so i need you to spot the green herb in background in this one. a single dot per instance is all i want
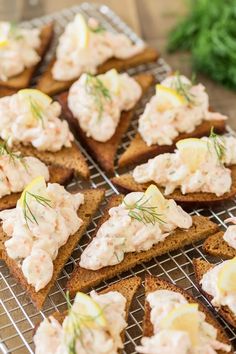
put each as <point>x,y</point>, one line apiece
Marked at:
<point>209,32</point>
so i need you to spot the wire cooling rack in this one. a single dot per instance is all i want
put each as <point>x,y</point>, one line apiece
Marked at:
<point>17,314</point>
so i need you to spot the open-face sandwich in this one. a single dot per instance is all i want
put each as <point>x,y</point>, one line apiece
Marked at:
<point>135,229</point>
<point>199,171</point>
<point>30,122</point>
<point>85,46</point>
<point>21,52</point>
<point>178,110</point>
<point>175,322</point>
<point>100,109</point>
<point>42,231</point>
<point>16,171</point>
<point>218,283</point>
<point>95,323</point>
<point>222,244</point>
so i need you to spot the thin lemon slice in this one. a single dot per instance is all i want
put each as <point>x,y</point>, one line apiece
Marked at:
<point>37,96</point>
<point>168,98</point>
<point>193,152</point>
<point>4,31</point>
<point>88,312</point>
<point>184,318</point>
<point>111,80</point>
<point>226,281</point>
<point>3,42</point>
<point>82,36</point>
<point>37,186</point>
<point>155,197</point>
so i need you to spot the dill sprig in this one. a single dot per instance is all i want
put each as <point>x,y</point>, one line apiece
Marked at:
<point>28,214</point>
<point>98,29</point>
<point>99,91</point>
<point>13,156</point>
<point>184,89</point>
<point>143,212</point>
<point>36,110</point>
<point>218,144</point>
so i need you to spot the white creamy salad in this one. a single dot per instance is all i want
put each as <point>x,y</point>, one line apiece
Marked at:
<point>230,233</point>
<point>97,102</point>
<point>42,222</point>
<point>177,107</point>
<point>85,45</point>
<point>179,327</point>
<point>198,165</point>
<point>139,222</point>
<point>93,325</point>
<point>32,118</point>
<point>18,49</point>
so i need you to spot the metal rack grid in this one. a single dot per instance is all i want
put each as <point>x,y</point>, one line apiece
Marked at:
<point>17,314</point>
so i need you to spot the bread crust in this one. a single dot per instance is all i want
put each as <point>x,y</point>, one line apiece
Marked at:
<point>50,86</point>
<point>104,153</point>
<point>155,283</point>
<point>126,183</point>
<point>82,279</point>
<point>216,246</point>
<point>93,198</point>
<point>23,79</point>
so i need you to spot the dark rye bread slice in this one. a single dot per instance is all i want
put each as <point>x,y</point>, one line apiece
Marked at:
<point>82,279</point>
<point>155,283</point>
<point>139,152</point>
<point>200,268</point>
<point>58,174</point>
<point>50,86</point>
<point>4,91</point>
<point>68,157</point>
<point>216,246</point>
<point>93,198</point>
<point>126,183</point>
<point>104,153</point>
<point>23,79</point>
<point>127,287</point>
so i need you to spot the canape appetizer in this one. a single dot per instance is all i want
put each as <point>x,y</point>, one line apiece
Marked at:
<point>218,282</point>
<point>86,46</point>
<point>135,229</point>
<point>94,323</point>
<point>178,110</point>
<point>175,322</point>
<point>200,170</point>
<point>42,231</point>
<point>21,50</point>
<point>30,122</point>
<point>100,109</point>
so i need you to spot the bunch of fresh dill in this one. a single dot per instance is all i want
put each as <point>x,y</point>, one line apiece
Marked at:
<point>209,32</point>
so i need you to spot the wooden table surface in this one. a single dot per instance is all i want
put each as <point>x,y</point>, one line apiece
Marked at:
<point>152,20</point>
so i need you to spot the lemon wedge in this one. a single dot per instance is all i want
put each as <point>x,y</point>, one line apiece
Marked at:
<point>4,30</point>
<point>155,197</point>
<point>82,36</point>
<point>111,80</point>
<point>37,186</point>
<point>39,97</point>
<point>88,312</point>
<point>3,42</point>
<point>226,281</point>
<point>168,98</point>
<point>193,152</point>
<point>183,318</point>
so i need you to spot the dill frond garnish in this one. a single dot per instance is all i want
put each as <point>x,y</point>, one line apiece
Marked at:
<point>14,31</point>
<point>98,29</point>
<point>13,156</point>
<point>99,91</point>
<point>218,144</point>
<point>142,212</point>
<point>36,110</point>
<point>184,89</point>
<point>28,214</point>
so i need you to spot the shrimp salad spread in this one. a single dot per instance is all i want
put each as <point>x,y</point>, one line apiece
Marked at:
<point>230,233</point>
<point>85,45</point>
<point>219,282</point>
<point>139,222</point>
<point>31,117</point>
<point>93,325</point>
<point>43,220</point>
<point>18,49</point>
<point>179,327</point>
<point>198,165</point>
<point>177,107</point>
<point>97,102</point>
